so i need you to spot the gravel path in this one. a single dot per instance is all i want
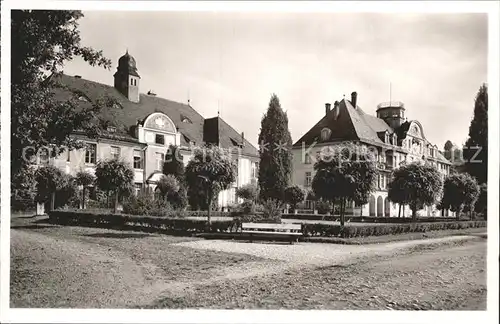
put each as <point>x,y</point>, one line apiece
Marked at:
<point>312,254</point>
<point>425,277</point>
<point>55,266</point>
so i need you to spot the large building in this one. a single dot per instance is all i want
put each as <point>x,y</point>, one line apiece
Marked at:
<point>395,139</point>
<point>138,128</point>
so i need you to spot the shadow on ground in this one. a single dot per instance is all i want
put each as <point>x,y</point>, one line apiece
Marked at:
<point>33,226</point>
<point>119,235</point>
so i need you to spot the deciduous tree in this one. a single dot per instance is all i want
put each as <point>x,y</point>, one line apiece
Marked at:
<point>48,180</point>
<point>114,176</point>
<point>43,41</point>
<point>460,190</point>
<point>209,171</point>
<point>84,179</point>
<point>345,174</point>
<point>417,185</point>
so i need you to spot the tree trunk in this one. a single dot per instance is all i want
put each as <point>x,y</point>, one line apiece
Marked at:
<point>115,205</point>
<point>209,218</point>
<point>52,201</point>
<point>83,198</point>
<point>414,213</point>
<point>459,211</point>
<point>342,212</point>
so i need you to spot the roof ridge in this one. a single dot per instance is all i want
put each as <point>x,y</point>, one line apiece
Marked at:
<point>140,93</point>
<point>232,128</point>
<point>351,111</point>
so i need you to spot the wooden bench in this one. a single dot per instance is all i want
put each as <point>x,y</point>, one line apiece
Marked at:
<point>289,231</point>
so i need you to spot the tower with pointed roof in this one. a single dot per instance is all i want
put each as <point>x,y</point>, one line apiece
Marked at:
<point>127,78</point>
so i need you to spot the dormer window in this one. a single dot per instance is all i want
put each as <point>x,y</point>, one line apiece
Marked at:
<point>394,139</point>
<point>186,120</point>
<point>83,98</point>
<point>325,134</point>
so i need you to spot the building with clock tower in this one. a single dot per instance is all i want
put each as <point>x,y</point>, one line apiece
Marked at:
<point>395,139</point>
<point>138,128</point>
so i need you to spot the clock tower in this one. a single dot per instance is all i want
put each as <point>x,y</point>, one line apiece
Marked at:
<point>126,78</point>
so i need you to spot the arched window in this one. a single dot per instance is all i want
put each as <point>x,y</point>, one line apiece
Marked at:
<point>371,205</point>
<point>380,206</point>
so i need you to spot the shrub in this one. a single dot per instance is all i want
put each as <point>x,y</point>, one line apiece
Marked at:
<point>294,195</point>
<point>147,206</point>
<point>323,207</point>
<point>248,192</point>
<point>272,210</point>
<point>178,199</point>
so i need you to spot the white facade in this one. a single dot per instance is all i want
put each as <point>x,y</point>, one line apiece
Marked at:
<point>379,205</point>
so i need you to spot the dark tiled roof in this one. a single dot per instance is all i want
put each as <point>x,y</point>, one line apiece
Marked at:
<point>125,118</point>
<point>351,125</point>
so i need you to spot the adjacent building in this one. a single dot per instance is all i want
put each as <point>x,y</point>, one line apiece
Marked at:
<point>395,140</point>
<point>139,127</point>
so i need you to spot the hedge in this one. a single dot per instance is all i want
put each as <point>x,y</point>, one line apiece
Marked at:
<point>204,213</point>
<point>370,219</point>
<point>149,223</point>
<point>180,225</point>
<point>327,230</point>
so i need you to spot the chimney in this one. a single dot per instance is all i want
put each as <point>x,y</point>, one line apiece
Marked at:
<point>78,76</point>
<point>354,99</point>
<point>242,139</point>
<point>336,110</point>
<point>327,108</point>
<point>151,93</point>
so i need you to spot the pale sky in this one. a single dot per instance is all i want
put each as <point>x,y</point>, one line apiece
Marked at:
<point>435,62</point>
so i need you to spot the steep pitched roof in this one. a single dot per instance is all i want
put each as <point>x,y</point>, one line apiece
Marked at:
<point>221,133</point>
<point>188,121</point>
<point>351,124</point>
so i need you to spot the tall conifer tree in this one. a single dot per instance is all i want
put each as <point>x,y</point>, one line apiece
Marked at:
<point>275,144</point>
<point>476,147</point>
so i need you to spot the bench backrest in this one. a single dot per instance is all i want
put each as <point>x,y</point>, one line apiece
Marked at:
<point>294,227</point>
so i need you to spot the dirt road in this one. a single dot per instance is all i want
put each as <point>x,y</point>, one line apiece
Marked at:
<point>54,266</point>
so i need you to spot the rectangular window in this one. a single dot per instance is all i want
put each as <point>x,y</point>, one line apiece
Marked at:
<point>68,157</point>
<point>253,172</point>
<point>137,159</point>
<point>115,152</point>
<point>308,181</point>
<point>131,81</point>
<point>90,153</point>
<point>160,157</point>
<point>160,139</point>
